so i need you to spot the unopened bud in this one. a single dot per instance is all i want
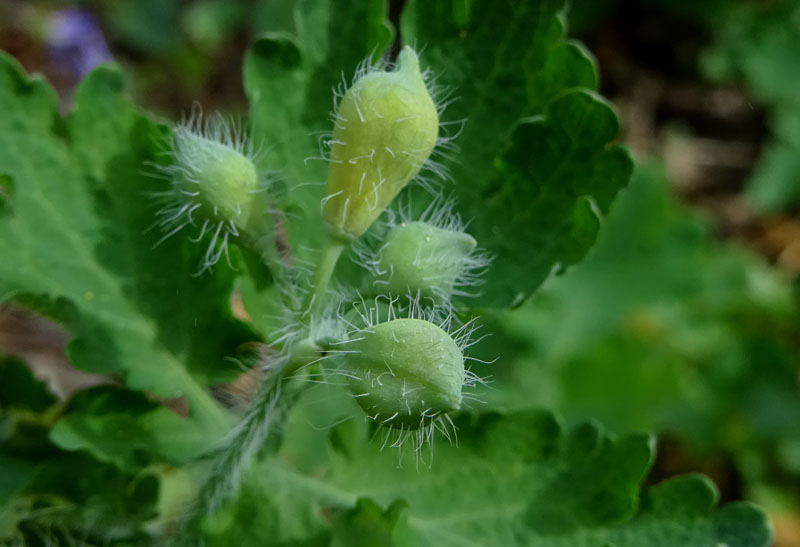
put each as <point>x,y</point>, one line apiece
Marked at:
<point>422,258</point>
<point>406,372</point>
<point>386,127</point>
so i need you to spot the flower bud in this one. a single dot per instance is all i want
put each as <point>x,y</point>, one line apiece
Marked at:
<point>216,187</point>
<point>215,175</point>
<point>423,258</point>
<point>405,372</point>
<point>386,127</point>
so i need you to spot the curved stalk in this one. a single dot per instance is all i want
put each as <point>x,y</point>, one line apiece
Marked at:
<point>262,419</point>
<point>266,411</point>
<point>331,251</point>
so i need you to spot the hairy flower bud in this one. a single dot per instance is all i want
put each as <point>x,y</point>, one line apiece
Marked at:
<point>215,185</point>
<point>225,178</point>
<point>215,175</point>
<point>406,372</point>
<point>386,127</point>
<point>420,257</point>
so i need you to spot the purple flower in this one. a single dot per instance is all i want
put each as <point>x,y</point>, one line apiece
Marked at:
<point>76,43</point>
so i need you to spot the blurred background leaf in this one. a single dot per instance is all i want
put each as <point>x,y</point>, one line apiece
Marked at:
<point>662,329</point>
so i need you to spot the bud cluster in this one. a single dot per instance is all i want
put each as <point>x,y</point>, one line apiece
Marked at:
<point>403,359</point>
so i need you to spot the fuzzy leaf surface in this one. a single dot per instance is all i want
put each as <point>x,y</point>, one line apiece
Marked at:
<point>534,169</point>
<point>517,479</point>
<point>75,244</point>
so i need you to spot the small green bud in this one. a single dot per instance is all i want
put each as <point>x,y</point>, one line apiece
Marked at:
<point>420,257</point>
<point>216,175</point>
<point>406,372</point>
<point>386,127</point>
<point>216,186</point>
<point>431,258</point>
<point>214,170</point>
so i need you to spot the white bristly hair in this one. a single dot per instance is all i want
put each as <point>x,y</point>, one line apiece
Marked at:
<point>435,168</point>
<point>185,152</point>
<point>440,213</point>
<point>362,317</point>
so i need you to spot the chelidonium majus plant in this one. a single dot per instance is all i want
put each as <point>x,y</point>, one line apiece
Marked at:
<point>397,342</point>
<point>280,318</point>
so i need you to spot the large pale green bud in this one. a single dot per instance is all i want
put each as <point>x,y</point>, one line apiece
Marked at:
<point>405,372</point>
<point>425,259</point>
<point>386,127</point>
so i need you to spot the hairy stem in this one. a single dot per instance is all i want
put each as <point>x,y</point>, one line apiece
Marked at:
<point>263,414</point>
<point>266,412</point>
<point>262,420</point>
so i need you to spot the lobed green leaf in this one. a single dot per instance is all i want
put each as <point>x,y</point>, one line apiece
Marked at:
<point>514,479</point>
<point>77,246</point>
<point>534,170</point>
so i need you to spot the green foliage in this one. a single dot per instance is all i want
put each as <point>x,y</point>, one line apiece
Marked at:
<point>19,389</point>
<point>539,169</point>
<point>124,428</point>
<point>46,494</point>
<point>142,459</point>
<point>146,25</point>
<point>700,344</point>
<point>289,78</point>
<point>759,45</point>
<point>515,479</point>
<point>76,246</point>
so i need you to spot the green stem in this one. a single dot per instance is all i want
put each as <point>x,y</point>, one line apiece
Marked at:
<point>331,252</point>
<point>262,421</point>
<point>204,408</point>
<point>268,409</point>
<point>264,411</point>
